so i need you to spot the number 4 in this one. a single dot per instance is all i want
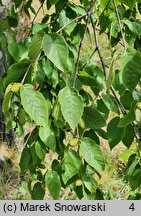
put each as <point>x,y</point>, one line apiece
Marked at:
<point>132,207</point>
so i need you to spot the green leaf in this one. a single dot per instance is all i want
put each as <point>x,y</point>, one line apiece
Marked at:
<point>118,83</point>
<point>135,179</point>
<point>127,99</point>
<point>56,50</point>
<point>92,154</point>
<point>111,75</point>
<point>134,27</point>
<point>115,29</point>
<point>131,165</point>
<point>18,51</point>
<point>71,106</point>
<point>52,181</point>
<point>110,103</point>
<point>63,20</point>
<point>38,191</point>
<point>52,2</point>
<point>51,72</point>
<point>72,165</point>
<point>87,79</point>
<point>131,68</point>
<point>130,4</point>
<point>34,104</point>
<point>91,134</point>
<point>48,138</point>
<point>16,72</point>
<point>93,118</point>
<point>25,159</point>
<point>6,102</point>
<point>36,45</point>
<point>35,158</point>
<point>77,9</point>
<point>40,150</point>
<point>88,179</point>
<point>14,51</point>
<point>114,133</point>
<point>128,136</point>
<point>101,107</point>
<point>129,117</point>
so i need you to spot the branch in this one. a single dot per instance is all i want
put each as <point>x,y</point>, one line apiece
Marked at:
<point>78,55</point>
<point>89,59</point>
<point>72,21</point>
<point>97,46</point>
<point>88,14</point>
<point>30,65</point>
<point>123,110</point>
<point>37,13</point>
<point>119,22</point>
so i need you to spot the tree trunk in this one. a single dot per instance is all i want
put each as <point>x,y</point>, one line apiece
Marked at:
<point>3,70</point>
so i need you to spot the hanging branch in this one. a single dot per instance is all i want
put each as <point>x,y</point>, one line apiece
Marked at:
<point>81,42</point>
<point>97,46</point>
<point>119,22</point>
<point>123,110</point>
<point>41,6</point>
<point>103,65</point>
<point>78,55</point>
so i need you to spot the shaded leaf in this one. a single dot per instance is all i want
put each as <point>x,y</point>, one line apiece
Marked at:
<point>131,68</point>
<point>52,181</point>
<point>129,117</point>
<point>36,45</point>
<point>38,191</point>
<point>72,165</point>
<point>25,159</point>
<point>128,136</point>
<point>110,103</point>
<point>6,102</point>
<point>16,72</point>
<point>93,119</point>
<point>92,154</point>
<point>48,138</point>
<point>114,133</point>
<point>88,179</point>
<point>40,151</point>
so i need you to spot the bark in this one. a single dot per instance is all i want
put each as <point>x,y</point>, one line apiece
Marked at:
<point>3,70</point>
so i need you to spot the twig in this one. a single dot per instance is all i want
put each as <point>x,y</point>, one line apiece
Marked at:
<point>123,110</point>
<point>41,6</point>
<point>31,63</point>
<point>81,42</point>
<point>89,59</point>
<point>105,8</point>
<point>26,72</point>
<point>119,22</point>
<point>97,46</point>
<point>78,55</point>
<point>72,21</point>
